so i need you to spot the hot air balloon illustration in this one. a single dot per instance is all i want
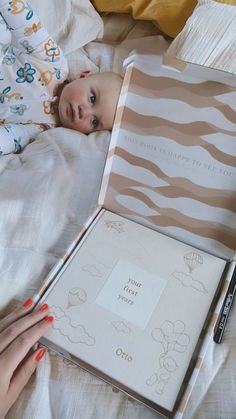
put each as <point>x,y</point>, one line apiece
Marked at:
<point>76,297</point>
<point>193,260</point>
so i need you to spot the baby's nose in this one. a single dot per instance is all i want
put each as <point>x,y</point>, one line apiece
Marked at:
<point>84,111</point>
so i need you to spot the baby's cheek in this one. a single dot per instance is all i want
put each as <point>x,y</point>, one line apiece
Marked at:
<point>74,95</point>
<point>82,127</point>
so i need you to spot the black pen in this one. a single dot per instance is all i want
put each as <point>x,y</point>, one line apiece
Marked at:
<point>224,313</point>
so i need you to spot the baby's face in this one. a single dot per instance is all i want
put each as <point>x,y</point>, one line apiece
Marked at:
<point>89,103</point>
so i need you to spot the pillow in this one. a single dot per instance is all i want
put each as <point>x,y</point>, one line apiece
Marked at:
<point>208,37</point>
<point>72,23</point>
<point>168,15</point>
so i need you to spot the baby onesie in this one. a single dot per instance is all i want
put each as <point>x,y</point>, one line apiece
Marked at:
<point>32,66</point>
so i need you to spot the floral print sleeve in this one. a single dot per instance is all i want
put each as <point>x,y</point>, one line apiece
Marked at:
<point>28,34</point>
<point>32,66</point>
<point>14,137</point>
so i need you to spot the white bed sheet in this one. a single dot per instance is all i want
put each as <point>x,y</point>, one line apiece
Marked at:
<point>53,187</point>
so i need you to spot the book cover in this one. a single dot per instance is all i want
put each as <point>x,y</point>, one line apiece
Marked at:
<point>172,158</point>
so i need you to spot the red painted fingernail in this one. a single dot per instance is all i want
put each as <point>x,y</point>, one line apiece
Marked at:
<point>28,303</point>
<point>40,354</point>
<point>44,307</point>
<point>49,319</point>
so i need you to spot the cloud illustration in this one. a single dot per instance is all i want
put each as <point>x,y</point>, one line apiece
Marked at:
<point>74,333</point>
<point>57,312</point>
<point>188,281</point>
<point>92,270</point>
<point>121,327</point>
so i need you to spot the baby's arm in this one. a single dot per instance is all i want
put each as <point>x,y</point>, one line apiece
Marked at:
<point>23,24</point>
<point>5,37</point>
<point>28,33</point>
<point>14,137</point>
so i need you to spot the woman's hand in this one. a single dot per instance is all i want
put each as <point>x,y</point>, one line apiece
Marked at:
<point>19,331</point>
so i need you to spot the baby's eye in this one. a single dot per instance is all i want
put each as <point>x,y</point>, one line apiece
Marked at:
<point>92,97</point>
<point>94,122</point>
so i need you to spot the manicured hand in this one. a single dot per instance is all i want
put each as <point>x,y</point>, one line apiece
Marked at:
<point>19,331</point>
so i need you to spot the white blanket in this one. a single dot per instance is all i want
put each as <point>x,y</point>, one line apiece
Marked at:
<point>47,193</point>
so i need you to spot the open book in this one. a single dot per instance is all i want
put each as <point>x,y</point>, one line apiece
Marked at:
<point>133,296</point>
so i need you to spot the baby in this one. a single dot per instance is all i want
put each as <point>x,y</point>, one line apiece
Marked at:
<point>34,91</point>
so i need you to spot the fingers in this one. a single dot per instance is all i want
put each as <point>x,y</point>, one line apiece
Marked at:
<point>16,314</point>
<point>23,374</point>
<point>17,350</point>
<point>19,331</point>
<point>17,327</point>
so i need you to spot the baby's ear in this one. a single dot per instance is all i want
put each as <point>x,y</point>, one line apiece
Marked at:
<point>83,74</point>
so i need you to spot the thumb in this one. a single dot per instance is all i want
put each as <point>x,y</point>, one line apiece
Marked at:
<point>23,374</point>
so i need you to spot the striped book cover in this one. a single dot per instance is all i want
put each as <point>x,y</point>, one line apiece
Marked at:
<point>172,158</point>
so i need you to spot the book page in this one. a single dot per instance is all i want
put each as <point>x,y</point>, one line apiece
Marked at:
<point>172,158</point>
<point>131,302</point>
